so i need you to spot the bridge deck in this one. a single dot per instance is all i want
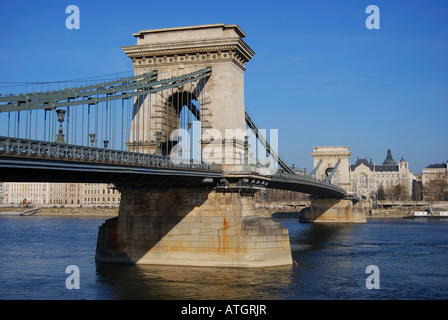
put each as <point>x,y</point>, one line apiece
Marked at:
<point>36,161</point>
<point>286,181</point>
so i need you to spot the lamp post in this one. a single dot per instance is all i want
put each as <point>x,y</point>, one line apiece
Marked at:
<point>92,138</point>
<point>159,142</point>
<point>246,150</point>
<point>60,135</point>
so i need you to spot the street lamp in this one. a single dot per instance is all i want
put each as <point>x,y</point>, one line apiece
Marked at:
<point>92,138</point>
<point>60,135</point>
<point>159,140</point>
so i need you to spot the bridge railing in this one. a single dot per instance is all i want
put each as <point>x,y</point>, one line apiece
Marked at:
<point>48,150</point>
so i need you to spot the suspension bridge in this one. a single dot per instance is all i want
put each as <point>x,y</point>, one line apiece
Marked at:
<point>94,142</point>
<point>175,138</point>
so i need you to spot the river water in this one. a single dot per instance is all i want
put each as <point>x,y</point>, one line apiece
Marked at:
<point>411,256</point>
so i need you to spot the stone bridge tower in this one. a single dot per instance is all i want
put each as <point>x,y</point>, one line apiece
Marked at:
<point>333,163</point>
<point>326,159</point>
<point>178,51</point>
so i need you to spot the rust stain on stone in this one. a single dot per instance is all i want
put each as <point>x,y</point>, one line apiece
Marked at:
<point>222,235</point>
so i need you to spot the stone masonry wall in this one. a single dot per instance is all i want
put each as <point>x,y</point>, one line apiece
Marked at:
<point>192,227</point>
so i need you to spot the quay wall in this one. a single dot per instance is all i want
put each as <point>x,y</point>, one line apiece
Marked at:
<point>385,210</point>
<point>62,211</point>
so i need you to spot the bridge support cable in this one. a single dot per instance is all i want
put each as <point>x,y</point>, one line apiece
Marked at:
<point>122,114</point>
<point>251,124</point>
<point>333,171</point>
<point>91,94</point>
<point>66,97</point>
<point>312,173</point>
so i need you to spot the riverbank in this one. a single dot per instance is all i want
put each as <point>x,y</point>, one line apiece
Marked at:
<point>113,212</point>
<point>374,213</point>
<point>84,212</point>
<point>389,213</point>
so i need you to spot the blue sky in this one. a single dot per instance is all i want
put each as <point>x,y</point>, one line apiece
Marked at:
<point>318,75</point>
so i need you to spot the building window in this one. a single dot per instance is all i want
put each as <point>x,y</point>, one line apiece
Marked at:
<point>363,180</point>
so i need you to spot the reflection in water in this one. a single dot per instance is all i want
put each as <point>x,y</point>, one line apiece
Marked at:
<point>179,282</point>
<point>316,236</point>
<point>317,249</point>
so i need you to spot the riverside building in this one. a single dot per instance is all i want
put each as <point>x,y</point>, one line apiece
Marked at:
<point>434,172</point>
<point>59,194</point>
<point>367,177</point>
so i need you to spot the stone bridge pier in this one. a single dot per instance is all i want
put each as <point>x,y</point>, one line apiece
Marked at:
<point>192,227</point>
<point>332,163</point>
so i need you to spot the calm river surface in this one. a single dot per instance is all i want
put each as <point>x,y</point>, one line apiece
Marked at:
<point>331,262</point>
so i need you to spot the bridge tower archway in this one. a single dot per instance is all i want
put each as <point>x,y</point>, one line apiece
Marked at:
<point>162,121</point>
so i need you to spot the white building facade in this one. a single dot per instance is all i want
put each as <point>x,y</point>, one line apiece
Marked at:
<point>60,194</point>
<point>434,172</point>
<point>367,177</point>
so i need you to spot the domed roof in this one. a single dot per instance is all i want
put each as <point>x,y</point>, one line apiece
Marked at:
<point>389,160</point>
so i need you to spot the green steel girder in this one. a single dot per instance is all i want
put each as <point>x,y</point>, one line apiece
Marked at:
<point>70,92</point>
<point>125,91</point>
